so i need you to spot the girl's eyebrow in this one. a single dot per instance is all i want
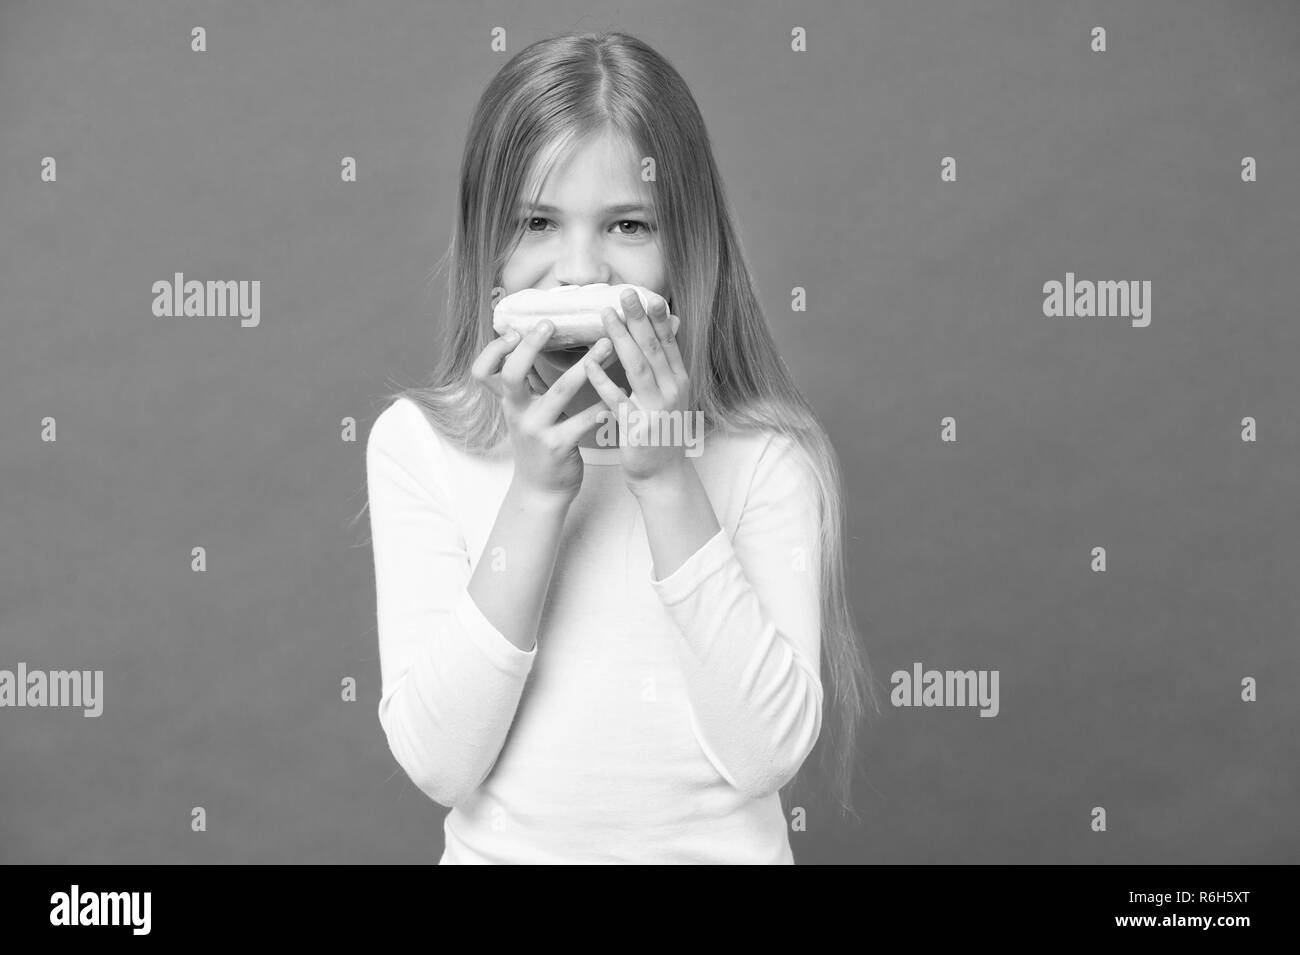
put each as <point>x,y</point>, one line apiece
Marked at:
<point>608,210</point>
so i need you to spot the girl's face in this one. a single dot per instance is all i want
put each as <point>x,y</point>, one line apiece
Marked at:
<point>591,225</point>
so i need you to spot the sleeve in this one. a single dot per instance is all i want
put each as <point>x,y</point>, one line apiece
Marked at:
<point>451,682</point>
<point>749,616</point>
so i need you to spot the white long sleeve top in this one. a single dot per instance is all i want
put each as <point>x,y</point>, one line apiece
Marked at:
<point>653,721</point>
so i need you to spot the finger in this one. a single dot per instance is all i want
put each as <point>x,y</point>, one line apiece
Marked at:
<point>644,332</point>
<point>488,363</point>
<point>514,373</point>
<point>662,320</point>
<point>579,424</point>
<point>609,392</point>
<point>558,396</point>
<point>635,364</point>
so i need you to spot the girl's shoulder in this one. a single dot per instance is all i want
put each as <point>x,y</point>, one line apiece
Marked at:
<point>754,444</point>
<point>776,459</point>
<point>400,427</point>
<point>753,454</point>
<point>403,435</point>
<point>405,424</point>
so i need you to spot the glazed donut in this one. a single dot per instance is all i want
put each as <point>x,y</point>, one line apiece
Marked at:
<point>574,310</point>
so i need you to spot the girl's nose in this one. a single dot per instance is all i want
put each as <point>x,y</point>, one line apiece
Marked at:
<point>582,277</point>
<point>582,264</point>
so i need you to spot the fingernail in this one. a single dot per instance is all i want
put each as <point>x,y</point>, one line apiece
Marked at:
<point>511,335</point>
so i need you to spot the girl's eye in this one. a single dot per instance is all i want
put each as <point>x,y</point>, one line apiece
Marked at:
<point>644,227</point>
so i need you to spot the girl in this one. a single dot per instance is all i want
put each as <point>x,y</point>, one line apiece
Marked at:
<point>594,650</point>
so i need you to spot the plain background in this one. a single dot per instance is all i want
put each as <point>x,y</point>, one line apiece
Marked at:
<point>925,298</point>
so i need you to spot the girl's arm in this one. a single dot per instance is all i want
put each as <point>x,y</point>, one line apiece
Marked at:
<point>749,615</point>
<point>527,535</point>
<point>452,678</point>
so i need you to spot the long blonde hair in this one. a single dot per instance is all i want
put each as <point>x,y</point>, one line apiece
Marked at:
<point>550,98</point>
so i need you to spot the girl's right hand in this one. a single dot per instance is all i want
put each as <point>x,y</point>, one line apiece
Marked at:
<point>547,460</point>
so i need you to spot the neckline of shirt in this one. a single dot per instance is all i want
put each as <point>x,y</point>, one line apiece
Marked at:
<point>600,456</point>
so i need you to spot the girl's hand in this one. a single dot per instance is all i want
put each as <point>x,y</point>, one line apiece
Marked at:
<point>547,460</point>
<point>648,352</point>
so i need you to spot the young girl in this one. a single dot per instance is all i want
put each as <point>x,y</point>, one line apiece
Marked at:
<point>596,651</point>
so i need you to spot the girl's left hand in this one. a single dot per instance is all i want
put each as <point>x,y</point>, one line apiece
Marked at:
<point>647,350</point>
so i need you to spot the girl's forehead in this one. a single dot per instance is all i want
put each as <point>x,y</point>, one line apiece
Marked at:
<point>611,159</point>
